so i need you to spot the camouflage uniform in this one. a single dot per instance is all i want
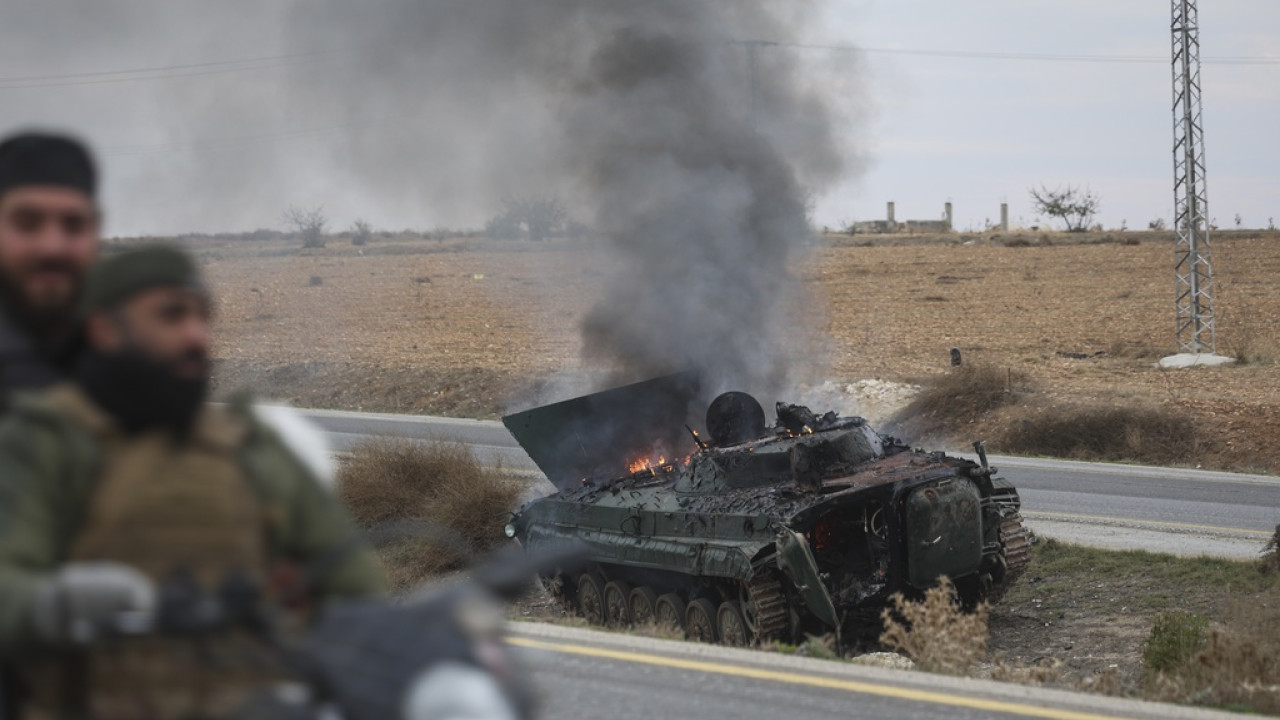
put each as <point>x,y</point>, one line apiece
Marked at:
<point>25,365</point>
<point>229,497</point>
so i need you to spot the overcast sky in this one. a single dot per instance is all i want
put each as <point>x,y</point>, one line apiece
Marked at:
<point>929,128</point>
<point>981,131</point>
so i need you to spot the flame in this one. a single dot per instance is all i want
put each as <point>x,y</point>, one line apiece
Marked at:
<point>651,464</point>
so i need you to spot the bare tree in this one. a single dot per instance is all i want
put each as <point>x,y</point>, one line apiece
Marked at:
<point>534,218</point>
<point>1073,206</point>
<point>307,224</point>
<point>361,231</point>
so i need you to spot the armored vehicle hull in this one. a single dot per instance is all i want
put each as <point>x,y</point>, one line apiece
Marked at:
<point>767,533</point>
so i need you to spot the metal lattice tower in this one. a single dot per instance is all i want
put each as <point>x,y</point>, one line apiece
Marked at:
<point>1196,333</point>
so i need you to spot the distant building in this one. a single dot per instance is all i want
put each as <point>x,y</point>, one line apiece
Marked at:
<point>891,225</point>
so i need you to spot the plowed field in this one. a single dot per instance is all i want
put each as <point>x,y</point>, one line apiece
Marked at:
<point>473,328</point>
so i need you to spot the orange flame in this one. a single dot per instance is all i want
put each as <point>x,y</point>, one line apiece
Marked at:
<point>649,463</point>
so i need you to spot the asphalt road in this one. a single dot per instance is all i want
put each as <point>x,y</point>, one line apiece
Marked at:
<point>1177,510</point>
<point>585,674</point>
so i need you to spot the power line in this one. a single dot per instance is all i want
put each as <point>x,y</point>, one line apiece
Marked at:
<point>216,67</point>
<point>1037,57</point>
<point>213,63</point>
<point>220,143</point>
<point>159,73</point>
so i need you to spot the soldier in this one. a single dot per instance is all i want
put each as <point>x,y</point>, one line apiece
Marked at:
<point>125,479</point>
<point>48,238</point>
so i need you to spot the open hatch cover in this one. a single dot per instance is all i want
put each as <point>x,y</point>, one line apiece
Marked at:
<point>601,433</point>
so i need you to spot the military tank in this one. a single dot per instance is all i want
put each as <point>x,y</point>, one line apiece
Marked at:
<point>757,532</point>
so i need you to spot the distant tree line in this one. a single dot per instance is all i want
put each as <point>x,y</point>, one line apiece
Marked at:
<point>533,218</point>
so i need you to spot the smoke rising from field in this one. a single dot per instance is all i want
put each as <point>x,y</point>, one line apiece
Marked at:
<point>703,209</point>
<point>688,151</point>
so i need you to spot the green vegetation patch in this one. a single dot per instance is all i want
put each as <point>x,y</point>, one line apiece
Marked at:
<point>1176,638</point>
<point>1194,577</point>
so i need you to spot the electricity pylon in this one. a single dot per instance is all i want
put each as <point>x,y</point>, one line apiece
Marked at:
<point>1196,332</point>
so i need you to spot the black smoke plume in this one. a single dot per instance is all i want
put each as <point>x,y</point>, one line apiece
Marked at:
<point>688,145</point>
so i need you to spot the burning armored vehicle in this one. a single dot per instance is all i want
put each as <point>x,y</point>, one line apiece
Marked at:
<point>757,532</point>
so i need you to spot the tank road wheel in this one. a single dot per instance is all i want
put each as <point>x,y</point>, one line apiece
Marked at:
<point>591,598</point>
<point>668,611</point>
<point>730,625</point>
<point>642,602</point>
<point>617,611</point>
<point>699,621</point>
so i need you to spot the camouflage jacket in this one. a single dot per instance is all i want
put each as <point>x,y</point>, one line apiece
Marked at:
<point>24,365</point>
<point>48,472</point>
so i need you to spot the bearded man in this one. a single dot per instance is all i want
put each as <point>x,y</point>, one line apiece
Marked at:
<point>120,484</point>
<point>49,237</point>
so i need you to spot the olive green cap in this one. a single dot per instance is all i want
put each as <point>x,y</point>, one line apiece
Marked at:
<point>120,276</point>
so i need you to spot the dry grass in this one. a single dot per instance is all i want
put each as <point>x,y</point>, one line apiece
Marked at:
<point>965,392</point>
<point>955,398</point>
<point>1249,344</point>
<point>935,631</point>
<point>983,399</point>
<point>1233,664</point>
<point>1244,334</point>
<point>1193,630</point>
<point>822,647</point>
<point>1037,673</point>
<point>1143,434</point>
<point>1270,561</point>
<point>437,502</point>
<point>654,629</point>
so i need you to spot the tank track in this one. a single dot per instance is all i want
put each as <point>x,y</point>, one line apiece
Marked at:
<point>1015,543</point>
<point>769,609</point>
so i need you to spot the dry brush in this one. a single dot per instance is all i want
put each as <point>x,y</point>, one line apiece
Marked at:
<point>430,507</point>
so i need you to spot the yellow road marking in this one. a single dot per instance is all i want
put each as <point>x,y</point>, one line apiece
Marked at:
<point>1131,521</point>
<point>865,688</point>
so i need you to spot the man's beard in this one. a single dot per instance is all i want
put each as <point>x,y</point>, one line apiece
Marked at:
<point>49,321</point>
<point>142,393</point>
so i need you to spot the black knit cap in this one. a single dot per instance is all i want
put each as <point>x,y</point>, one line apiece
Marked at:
<point>43,159</point>
<point>120,276</point>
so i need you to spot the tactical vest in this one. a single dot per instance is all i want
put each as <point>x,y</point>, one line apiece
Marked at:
<point>164,508</point>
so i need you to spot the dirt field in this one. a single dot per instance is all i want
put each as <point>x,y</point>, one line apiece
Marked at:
<point>475,328</point>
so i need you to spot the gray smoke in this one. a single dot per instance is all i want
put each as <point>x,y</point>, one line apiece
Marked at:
<point>702,208</point>
<point>689,152</point>
<point>648,118</point>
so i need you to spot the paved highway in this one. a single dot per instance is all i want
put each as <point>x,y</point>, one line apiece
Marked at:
<point>1182,511</point>
<point>585,674</point>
